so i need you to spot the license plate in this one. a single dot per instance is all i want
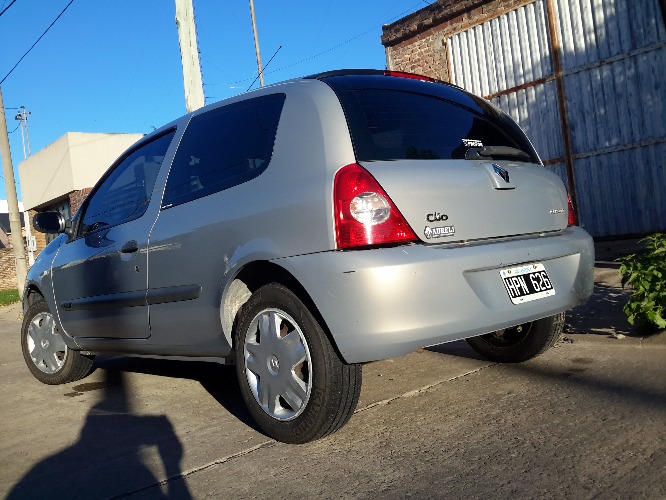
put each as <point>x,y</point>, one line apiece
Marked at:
<point>527,283</point>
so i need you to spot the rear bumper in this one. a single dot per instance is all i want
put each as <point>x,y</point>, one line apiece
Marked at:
<point>382,303</point>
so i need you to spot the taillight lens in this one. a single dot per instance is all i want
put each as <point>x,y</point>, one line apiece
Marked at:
<point>573,220</point>
<point>364,214</point>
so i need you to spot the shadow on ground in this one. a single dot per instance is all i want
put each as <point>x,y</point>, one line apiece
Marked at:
<point>218,380</point>
<point>117,452</point>
<point>602,314</point>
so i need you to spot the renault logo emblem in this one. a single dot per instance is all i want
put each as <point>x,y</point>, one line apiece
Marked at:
<point>501,172</point>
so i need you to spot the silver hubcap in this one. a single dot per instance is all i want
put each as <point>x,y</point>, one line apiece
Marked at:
<point>46,347</point>
<point>277,364</point>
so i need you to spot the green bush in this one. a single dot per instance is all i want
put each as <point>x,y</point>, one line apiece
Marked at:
<point>646,274</point>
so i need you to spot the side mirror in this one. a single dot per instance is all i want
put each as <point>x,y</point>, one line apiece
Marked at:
<point>51,223</point>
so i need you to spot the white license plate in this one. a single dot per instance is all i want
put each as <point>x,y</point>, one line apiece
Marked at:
<point>527,283</point>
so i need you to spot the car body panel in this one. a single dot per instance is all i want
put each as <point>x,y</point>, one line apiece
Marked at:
<point>251,228</point>
<point>105,286</point>
<point>466,198</point>
<point>387,302</point>
<point>101,290</point>
<point>39,280</point>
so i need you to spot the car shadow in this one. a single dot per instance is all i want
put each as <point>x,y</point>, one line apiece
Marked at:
<point>116,453</point>
<point>576,372</point>
<point>458,348</point>
<point>218,380</point>
<point>603,314</point>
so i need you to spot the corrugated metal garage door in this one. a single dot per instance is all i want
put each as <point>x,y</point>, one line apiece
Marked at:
<point>608,58</point>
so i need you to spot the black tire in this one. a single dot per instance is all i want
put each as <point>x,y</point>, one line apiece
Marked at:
<point>520,343</point>
<point>46,354</point>
<point>307,391</point>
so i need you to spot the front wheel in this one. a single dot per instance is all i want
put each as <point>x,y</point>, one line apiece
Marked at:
<point>519,343</point>
<point>45,352</point>
<point>293,382</point>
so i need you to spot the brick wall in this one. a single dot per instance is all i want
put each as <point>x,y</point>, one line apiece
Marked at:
<point>7,269</point>
<point>7,261</point>
<point>40,238</point>
<point>418,43</point>
<point>76,199</point>
<point>426,54</point>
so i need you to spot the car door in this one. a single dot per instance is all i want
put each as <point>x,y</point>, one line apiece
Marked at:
<point>100,275</point>
<point>220,151</point>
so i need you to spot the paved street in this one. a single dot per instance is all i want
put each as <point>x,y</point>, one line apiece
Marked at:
<point>586,420</point>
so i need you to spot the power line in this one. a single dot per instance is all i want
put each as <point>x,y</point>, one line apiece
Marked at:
<point>33,45</point>
<point>262,71</point>
<point>7,8</point>
<point>330,49</point>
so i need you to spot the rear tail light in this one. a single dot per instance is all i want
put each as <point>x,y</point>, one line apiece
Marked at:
<point>364,214</point>
<point>573,220</point>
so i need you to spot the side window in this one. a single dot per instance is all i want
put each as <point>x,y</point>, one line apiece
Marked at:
<point>125,193</point>
<point>223,148</point>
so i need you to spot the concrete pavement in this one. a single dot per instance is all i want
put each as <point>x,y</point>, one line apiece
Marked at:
<point>585,420</point>
<point>602,315</point>
<point>582,421</point>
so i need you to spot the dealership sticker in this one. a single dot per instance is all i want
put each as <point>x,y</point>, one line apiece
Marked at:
<point>439,232</point>
<point>472,143</point>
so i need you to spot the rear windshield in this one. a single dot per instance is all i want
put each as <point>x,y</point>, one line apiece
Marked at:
<point>395,124</point>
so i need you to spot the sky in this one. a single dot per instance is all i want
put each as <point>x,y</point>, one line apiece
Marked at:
<point>114,66</point>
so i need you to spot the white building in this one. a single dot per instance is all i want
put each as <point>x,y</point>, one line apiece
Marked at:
<point>60,176</point>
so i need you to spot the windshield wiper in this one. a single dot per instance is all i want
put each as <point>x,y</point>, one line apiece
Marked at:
<point>496,153</point>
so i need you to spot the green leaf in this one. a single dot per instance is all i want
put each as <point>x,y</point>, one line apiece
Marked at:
<point>645,273</point>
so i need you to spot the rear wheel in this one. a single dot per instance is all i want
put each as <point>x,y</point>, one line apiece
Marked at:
<point>45,352</point>
<point>294,383</point>
<point>520,343</point>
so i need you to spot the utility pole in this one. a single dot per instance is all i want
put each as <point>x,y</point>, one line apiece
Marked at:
<point>189,55</point>
<point>256,44</point>
<point>12,200</point>
<point>22,117</point>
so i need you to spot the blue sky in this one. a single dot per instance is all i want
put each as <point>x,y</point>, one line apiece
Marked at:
<point>114,66</point>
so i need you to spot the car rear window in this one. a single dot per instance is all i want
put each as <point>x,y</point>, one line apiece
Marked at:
<point>421,120</point>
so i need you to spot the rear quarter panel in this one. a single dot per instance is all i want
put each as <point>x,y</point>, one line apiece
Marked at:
<point>285,211</point>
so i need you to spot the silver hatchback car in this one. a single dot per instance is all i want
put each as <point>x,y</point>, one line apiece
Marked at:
<point>305,228</point>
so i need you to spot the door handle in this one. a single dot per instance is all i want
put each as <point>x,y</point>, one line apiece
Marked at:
<point>130,247</point>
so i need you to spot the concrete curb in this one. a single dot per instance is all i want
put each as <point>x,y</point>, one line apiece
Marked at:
<point>655,341</point>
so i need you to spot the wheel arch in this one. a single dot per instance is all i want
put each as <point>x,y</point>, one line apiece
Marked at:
<point>34,293</point>
<point>31,295</point>
<point>250,278</point>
